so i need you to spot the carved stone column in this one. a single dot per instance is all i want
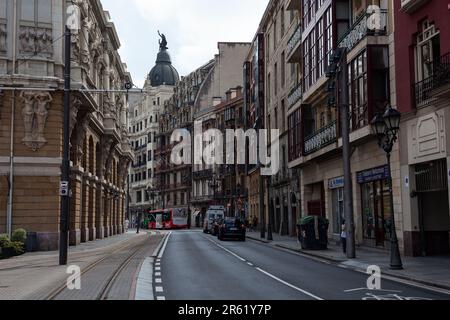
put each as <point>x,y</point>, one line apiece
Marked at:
<point>85,199</point>
<point>100,203</point>
<point>106,210</point>
<point>75,206</point>
<point>92,208</point>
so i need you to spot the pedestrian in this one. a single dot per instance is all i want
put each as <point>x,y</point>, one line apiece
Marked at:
<point>127,224</point>
<point>255,223</point>
<point>344,237</point>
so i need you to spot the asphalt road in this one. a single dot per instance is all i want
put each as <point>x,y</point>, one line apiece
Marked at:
<point>195,266</point>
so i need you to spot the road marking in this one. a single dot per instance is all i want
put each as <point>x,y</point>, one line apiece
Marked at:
<point>158,280</point>
<point>230,252</point>
<point>157,274</point>
<point>367,289</point>
<point>161,252</point>
<point>159,289</point>
<point>161,298</point>
<point>250,264</point>
<point>158,264</point>
<point>289,285</point>
<point>157,268</point>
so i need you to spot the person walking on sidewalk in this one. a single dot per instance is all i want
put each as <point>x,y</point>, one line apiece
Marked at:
<point>344,237</point>
<point>127,225</point>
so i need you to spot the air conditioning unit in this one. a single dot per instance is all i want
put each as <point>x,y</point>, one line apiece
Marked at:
<point>409,6</point>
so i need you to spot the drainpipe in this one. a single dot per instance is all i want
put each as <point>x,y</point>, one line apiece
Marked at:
<point>11,169</point>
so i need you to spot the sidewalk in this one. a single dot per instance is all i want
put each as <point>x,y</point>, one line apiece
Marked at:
<point>431,271</point>
<point>33,276</point>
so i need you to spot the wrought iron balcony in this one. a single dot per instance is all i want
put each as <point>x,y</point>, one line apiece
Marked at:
<point>441,76</point>
<point>294,41</point>
<point>321,138</point>
<point>203,174</point>
<point>295,95</point>
<point>363,28</point>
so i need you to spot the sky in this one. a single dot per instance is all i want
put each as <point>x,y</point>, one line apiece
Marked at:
<point>192,29</point>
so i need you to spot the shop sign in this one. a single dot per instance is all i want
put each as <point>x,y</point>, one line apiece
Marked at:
<point>336,183</point>
<point>375,174</point>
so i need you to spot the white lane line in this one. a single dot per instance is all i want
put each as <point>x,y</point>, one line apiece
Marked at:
<point>158,280</point>
<point>230,252</point>
<point>250,264</point>
<point>157,268</point>
<point>157,264</point>
<point>157,274</point>
<point>161,298</point>
<point>159,289</point>
<point>161,252</point>
<point>289,285</point>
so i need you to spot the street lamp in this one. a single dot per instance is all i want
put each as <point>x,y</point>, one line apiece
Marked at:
<point>386,128</point>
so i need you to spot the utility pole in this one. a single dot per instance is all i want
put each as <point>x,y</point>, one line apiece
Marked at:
<point>65,168</point>
<point>269,211</point>
<point>344,107</point>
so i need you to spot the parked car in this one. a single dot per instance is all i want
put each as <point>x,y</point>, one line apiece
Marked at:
<point>232,228</point>
<point>213,216</point>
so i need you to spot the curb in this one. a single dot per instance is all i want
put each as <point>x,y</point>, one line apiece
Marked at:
<point>337,262</point>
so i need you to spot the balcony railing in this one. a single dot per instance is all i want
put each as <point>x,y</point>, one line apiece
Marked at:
<point>295,95</point>
<point>362,28</point>
<point>322,138</point>
<point>441,76</point>
<point>294,40</point>
<point>203,174</point>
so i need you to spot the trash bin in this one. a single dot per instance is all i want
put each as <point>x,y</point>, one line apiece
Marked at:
<point>313,233</point>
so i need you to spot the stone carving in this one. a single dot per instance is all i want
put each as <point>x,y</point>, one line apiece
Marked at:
<point>36,41</point>
<point>35,113</point>
<point>3,38</point>
<point>81,135</point>
<point>74,108</point>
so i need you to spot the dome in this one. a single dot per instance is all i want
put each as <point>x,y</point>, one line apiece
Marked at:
<point>163,73</point>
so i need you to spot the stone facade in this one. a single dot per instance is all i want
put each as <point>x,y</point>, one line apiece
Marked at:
<point>100,152</point>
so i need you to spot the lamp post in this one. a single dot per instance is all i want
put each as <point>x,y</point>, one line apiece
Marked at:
<point>269,210</point>
<point>386,128</point>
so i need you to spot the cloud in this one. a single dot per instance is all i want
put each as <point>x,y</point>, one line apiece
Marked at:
<point>192,28</point>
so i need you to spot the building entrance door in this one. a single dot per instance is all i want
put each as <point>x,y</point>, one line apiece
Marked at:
<point>434,211</point>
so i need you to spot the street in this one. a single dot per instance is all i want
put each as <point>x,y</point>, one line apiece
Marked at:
<point>195,266</point>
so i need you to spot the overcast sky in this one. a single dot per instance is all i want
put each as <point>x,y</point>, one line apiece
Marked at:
<point>192,28</point>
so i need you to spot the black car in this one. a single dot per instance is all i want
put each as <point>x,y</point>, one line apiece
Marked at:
<point>232,228</point>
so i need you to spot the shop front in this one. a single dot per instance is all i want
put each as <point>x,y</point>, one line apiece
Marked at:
<point>336,188</point>
<point>375,206</point>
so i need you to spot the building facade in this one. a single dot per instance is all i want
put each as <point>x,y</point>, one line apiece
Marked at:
<point>423,84</point>
<point>225,73</point>
<point>31,110</point>
<point>315,135</point>
<point>144,128</point>
<point>279,24</point>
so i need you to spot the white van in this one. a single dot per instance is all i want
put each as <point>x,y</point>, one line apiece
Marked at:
<point>213,215</point>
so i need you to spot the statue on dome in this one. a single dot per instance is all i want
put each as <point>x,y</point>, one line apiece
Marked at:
<point>162,42</point>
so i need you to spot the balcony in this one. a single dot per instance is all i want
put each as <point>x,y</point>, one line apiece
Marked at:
<point>293,47</point>
<point>361,29</point>
<point>294,5</point>
<point>294,96</point>
<point>321,138</point>
<point>423,90</point>
<point>203,174</point>
<point>409,6</point>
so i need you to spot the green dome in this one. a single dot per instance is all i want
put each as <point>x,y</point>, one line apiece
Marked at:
<point>163,73</point>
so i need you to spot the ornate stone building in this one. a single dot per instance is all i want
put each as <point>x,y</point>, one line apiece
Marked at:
<point>31,133</point>
<point>144,128</point>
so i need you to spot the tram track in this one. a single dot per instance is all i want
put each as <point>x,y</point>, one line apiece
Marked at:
<point>117,261</point>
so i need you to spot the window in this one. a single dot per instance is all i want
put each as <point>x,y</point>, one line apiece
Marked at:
<point>283,115</point>
<point>269,83</point>
<point>276,118</point>
<point>427,51</point>
<point>338,209</point>
<point>295,135</point>
<point>275,84</point>
<point>283,69</point>
<point>282,21</point>
<point>358,89</point>
<point>275,34</point>
<point>139,196</point>
<point>146,123</point>
<point>147,197</point>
